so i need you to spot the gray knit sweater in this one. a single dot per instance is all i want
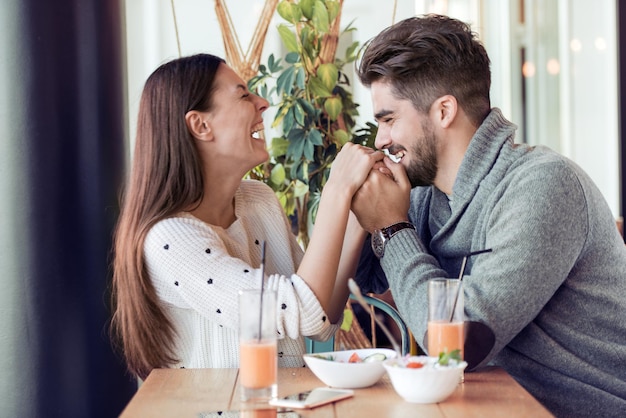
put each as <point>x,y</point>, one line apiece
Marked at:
<point>553,290</point>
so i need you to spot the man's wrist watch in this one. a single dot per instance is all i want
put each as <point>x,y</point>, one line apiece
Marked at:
<point>381,236</point>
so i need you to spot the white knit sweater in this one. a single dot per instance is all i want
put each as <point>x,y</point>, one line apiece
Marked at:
<point>197,270</point>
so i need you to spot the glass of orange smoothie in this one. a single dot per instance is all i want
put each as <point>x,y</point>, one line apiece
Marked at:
<point>445,316</point>
<point>258,358</point>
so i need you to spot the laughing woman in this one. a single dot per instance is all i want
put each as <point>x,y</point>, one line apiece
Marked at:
<point>190,230</point>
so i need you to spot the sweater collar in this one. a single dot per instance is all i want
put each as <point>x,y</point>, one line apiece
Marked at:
<point>482,154</point>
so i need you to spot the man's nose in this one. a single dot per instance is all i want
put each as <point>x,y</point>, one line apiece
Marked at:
<point>382,140</point>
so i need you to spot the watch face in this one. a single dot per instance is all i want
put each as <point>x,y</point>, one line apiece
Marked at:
<point>378,243</point>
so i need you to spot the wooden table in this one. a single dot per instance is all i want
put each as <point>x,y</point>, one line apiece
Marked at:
<point>201,393</point>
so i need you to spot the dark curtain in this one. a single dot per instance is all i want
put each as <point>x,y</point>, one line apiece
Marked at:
<point>72,84</point>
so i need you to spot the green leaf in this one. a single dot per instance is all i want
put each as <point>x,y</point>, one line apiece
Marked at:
<point>282,198</point>
<point>300,78</point>
<point>307,8</point>
<point>308,108</point>
<point>317,88</point>
<point>289,120</point>
<point>263,92</point>
<point>341,136</point>
<point>289,11</point>
<point>315,137</point>
<point>299,171</point>
<point>295,151</point>
<point>300,189</point>
<point>352,52</point>
<point>333,8</point>
<point>283,109</point>
<point>445,357</point>
<point>297,138</point>
<point>255,82</point>
<point>308,151</point>
<point>273,64</point>
<point>309,41</point>
<point>320,18</point>
<point>328,74</point>
<point>288,38</point>
<point>333,107</point>
<point>349,27</point>
<point>290,204</point>
<point>297,135</point>
<point>284,83</point>
<point>314,203</point>
<point>298,112</point>
<point>292,57</point>
<point>277,176</point>
<point>348,318</point>
<point>279,146</point>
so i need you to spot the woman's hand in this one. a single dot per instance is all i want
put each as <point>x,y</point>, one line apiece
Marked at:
<point>352,166</point>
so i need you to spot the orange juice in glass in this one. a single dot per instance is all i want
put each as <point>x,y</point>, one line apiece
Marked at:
<point>446,316</point>
<point>258,359</point>
<point>258,363</point>
<point>445,337</point>
<point>258,413</point>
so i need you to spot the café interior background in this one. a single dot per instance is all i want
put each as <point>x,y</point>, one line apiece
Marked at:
<point>562,94</point>
<point>70,82</point>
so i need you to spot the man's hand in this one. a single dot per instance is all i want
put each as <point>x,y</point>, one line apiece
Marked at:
<point>384,197</point>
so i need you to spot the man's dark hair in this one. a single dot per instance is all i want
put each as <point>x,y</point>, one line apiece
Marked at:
<point>426,57</point>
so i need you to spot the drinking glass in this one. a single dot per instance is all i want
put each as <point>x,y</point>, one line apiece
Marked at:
<point>446,316</point>
<point>258,359</point>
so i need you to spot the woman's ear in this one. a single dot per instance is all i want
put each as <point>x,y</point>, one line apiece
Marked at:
<point>446,108</point>
<point>198,125</point>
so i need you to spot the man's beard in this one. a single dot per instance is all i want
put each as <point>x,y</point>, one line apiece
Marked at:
<point>422,168</point>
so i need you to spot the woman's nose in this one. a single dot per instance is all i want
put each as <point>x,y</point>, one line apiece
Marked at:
<point>263,104</point>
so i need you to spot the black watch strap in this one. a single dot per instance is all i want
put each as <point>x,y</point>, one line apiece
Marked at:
<point>381,236</point>
<point>392,230</point>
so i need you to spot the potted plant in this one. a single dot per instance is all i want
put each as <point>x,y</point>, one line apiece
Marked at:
<point>315,112</point>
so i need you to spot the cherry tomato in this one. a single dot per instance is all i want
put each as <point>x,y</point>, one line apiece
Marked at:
<point>354,358</point>
<point>413,365</point>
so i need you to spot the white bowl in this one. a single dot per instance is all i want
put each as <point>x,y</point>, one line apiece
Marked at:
<point>339,373</point>
<point>429,384</point>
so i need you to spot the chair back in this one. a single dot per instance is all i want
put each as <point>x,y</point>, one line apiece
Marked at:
<point>355,338</point>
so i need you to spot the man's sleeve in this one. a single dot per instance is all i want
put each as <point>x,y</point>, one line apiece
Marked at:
<point>370,275</point>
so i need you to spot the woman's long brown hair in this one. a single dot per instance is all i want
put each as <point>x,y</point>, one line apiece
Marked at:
<point>166,177</point>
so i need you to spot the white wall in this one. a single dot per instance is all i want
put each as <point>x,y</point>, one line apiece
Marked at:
<point>574,111</point>
<point>590,93</point>
<point>572,106</point>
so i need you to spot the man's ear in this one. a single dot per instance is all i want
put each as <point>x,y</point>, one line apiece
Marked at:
<point>198,125</point>
<point>446,108</point>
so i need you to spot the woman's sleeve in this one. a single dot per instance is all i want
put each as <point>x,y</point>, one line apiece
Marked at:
<point>191,268</point>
